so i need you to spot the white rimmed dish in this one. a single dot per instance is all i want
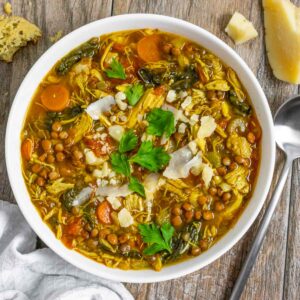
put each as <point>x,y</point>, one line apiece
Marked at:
<point>118,23</point>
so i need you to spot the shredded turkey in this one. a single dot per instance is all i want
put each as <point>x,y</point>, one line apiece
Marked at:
<point>125,218</point>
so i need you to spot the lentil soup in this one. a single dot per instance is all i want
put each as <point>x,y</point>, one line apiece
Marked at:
<point>140,148</point>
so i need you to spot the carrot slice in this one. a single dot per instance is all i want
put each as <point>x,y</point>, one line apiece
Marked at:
<point>27,148</point>
<point>55,97</point>
<point>148,48</point>
<point>103,212</point>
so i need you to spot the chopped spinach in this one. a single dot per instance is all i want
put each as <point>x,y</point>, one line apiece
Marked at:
<point>179,246</point>
<point>88,49</point>
<point>89,214</point>
<point>185,79</point>
<point>240,106</point>
<point>66,114</point>
<point>67,198</point>
<point>182,80</point>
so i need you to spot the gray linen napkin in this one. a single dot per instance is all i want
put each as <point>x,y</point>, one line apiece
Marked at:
<point>30,274</point>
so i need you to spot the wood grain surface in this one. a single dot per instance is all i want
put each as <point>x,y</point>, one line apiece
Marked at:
<point>276,274</point>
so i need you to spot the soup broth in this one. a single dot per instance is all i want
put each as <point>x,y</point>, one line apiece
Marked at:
<point>140,148</point>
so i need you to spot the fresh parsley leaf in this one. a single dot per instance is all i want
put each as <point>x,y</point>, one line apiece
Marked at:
<point>120,163</point>
<point>116,70</point>
<point>134,93</point>
<point>158,238</point>
<point>160,122</point>
<point>151,158</point>
<point>136,186</point>
<point>128,141</point>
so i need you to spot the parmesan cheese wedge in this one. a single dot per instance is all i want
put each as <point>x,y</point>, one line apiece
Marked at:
<point>282,28</point>
<point>240,29</point>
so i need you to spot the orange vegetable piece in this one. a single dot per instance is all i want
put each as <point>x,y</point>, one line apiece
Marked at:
<point>67,240</point>
<point>148,48</point>
<point>103,212</point>
<point>74,228</point>
<point>27,148</point>
<point>55,97</point>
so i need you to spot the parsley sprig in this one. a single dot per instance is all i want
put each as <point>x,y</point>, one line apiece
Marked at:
<point>150,157</point>
<point>136,186</point>
<point>116,70</point>
<point>160,122</point>
<point>134,93</point>
<point>120,163</point>
<point>128,141</point>
<point>158,239</point>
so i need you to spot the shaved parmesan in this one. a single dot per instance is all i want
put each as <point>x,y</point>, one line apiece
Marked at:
<point>182,161</point>
<point>193,147</point>
<point>194,119</point>
<point>83,196</point>
<point>195,165</point>
<point>114,201</point>
<point>186,102</point>
<point>151,185</point>
<point>114,191</point>
<point>125,218</point>
<point>91,158</point>
<point>207,127</point>
<point>116,132</point>
<point>207,175</point>
<point>181,128</point>
<point>171,96</point>
<point>97,108</point>
<point>178,114</point>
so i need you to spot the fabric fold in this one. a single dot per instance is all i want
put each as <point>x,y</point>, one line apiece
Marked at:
<point>27,273</point>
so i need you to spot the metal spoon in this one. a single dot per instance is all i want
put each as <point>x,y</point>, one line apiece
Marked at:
<point>287,135</point>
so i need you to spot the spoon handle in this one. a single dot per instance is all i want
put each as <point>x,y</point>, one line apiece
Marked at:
<point>256,245</point>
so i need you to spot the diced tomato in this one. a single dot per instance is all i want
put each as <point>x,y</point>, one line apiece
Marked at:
<point>100,147</point>
<point>118,47</point>
<point>74,228</point>
<point>159,90</point>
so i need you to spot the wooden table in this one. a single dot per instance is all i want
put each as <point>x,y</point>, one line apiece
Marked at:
<point>276,274</point>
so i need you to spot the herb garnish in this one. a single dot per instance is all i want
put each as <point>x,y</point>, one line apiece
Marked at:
<point>120,163</point>
<point>158,238</point>
<point>128,141</point>
<point>150,157</point>
<point>134,93</point>
<point>136,186</point>
<point>160,122</point>
<point>116,70</point>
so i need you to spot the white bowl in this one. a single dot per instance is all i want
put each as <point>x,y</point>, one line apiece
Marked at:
<point>124,22</point>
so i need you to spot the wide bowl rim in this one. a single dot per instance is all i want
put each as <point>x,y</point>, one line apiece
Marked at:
<point>138,276</point>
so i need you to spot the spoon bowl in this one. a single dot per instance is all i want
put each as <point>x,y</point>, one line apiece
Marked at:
<point>287,127</point>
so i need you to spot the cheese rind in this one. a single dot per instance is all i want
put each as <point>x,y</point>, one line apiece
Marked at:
<point>282,36</point>
<point>240,29</point>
